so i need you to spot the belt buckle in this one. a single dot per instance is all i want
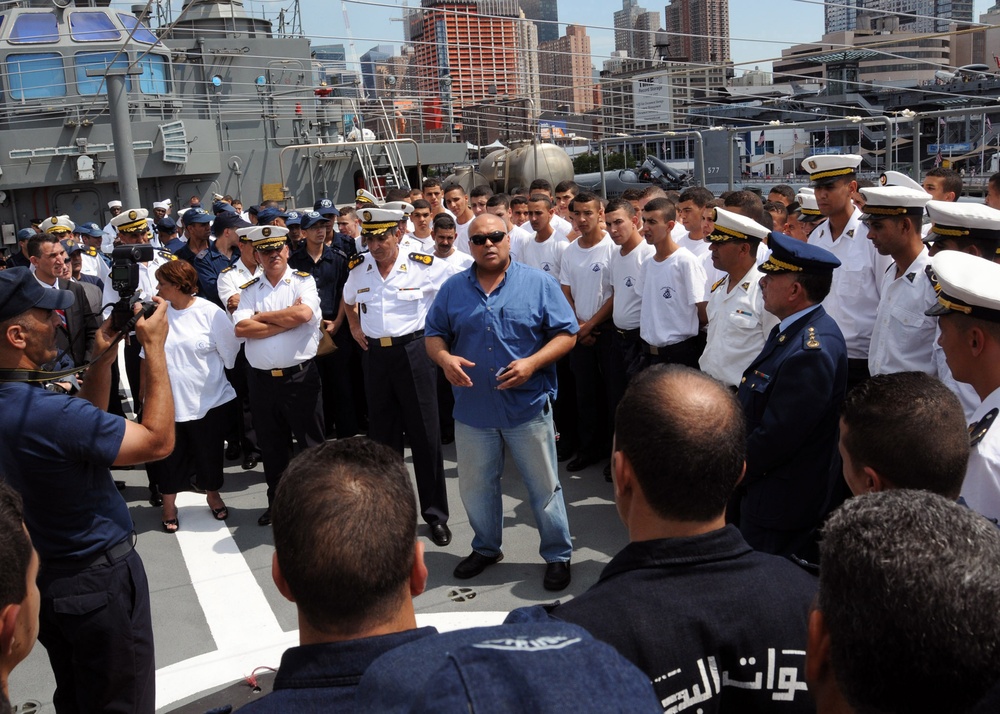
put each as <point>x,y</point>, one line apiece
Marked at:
<point>654,350</point>
<point>385,341</point>
<point>277,373</point>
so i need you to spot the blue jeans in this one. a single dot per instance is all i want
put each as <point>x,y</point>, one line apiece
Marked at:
<point>480,466</point>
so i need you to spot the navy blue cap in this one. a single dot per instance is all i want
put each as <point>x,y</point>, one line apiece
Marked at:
<point>90,229</point>
<point>222,207</point>
<point>530,666</point>
<point>196,215</point>
<point>267,215</point>
<point>324,206</point>
<point>253,210</point>
<point>26,233</point>
<point>293,218</point>
<point>310,219</point>
<point>71,246</point>
<point>19,292</point>
<point>166,224</point>
<point>794,256</point>
<point>227,220</point>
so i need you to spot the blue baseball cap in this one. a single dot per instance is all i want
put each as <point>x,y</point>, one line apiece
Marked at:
<point>196,215</point>
<point>227,219</point>
<point>293,218</point>
<point>166,224</point>
<point>312,218</point>
<point>267,215</point>
<point>222,207</point>
<point>90,229</point>
<point>324,206</point>
<point>26,233</point>
<point>20,292</point>
<point>71,246</point>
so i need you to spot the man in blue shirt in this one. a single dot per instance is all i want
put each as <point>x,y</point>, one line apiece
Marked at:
<point>95,618</point>
<point>497,330</point>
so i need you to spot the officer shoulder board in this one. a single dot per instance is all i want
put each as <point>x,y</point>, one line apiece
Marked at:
<point>302,273</point>
<point>226,270</point>
<point>244,286</point>
<point>719,282</point>
<point>978,430</point>
<point>166,254</point>
<point>356,261</point>
<point>422,258</point>
<point>91,251</point>
<point>809,339</point>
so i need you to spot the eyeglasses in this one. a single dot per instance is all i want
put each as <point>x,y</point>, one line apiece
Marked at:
<point>481,238</point>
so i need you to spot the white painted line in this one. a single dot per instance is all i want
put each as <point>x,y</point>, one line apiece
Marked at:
<point>448,621</point>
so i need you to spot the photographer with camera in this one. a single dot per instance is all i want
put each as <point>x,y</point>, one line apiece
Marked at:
<point>95,619</point>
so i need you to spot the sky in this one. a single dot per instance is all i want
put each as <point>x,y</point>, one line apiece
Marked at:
<point>758,30</point>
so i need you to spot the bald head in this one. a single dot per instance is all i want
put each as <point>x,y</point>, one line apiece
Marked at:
<point>684,435</point>
<point>487,223</point>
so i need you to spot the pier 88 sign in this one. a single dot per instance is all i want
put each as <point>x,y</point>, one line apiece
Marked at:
<point>651,99</point>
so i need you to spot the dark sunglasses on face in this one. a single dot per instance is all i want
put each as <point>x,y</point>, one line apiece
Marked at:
<point>481,238</point>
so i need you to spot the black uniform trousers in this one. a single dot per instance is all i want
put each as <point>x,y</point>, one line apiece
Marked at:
<point>285,407</point>
<point>96,626</point>
<point>626,361</point>
<point>241,426</point>
<point>339,411</point>
<point>591,365</point>
<point>401,382</point>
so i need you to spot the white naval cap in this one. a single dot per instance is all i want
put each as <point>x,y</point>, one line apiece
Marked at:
<point>808,208</point>
<point>966,284</point>
<point>57,224</point>
<point>825,168</point>
<point>887,201</point>
<point>264,237</point>
<point>962,220</point>
<point>114,204</point>
<point>734,226</point>
<point>406,208</point>
<point>161,204</point>
<point>130,220</point>
<point>895,178</point>
<point>365,197</point>
<point>376,221</point>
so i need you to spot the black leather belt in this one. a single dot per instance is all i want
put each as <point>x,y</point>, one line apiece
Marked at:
<point>285,371</point>
<point>669,350</point>
<point>395,341</point>
<point>628,334</point>
<point>108,557</point>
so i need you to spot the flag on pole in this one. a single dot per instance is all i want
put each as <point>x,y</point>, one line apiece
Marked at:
<point>826,138</point>
<point>795,135</point>
<point>997,60</point>
<point>938,158</point>
<point>989,125</point>
<point>942,122</point>
<point>760,139</point>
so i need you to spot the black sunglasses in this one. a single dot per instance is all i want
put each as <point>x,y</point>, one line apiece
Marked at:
<point>481,238</point>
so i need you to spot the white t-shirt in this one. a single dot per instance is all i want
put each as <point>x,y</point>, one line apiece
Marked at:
<point>625,270</point>
<point>200,344</point>
<point>586,272</point>
<point>460,260</point>
<point>670,291</point>
<point>698,247</point>
<point>547,255</point>
<point>560,224</point>
<point>462,236</point>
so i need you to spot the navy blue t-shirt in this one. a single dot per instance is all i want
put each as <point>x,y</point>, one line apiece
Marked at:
<point>57,451</point>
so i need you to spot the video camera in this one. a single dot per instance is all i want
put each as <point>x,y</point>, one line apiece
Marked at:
<point>125,261</point>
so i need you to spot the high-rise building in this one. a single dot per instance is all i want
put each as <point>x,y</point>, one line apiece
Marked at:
<point>465,50</point>
<point>545,17</point>
<point>698,30</point>
<point>635,30</point>
<point>566,71</point>
<point>374,63</point>
<point>913,15</point>
<point>527,65</point>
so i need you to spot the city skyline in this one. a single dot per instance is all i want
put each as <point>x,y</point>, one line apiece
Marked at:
<point>752,32</point>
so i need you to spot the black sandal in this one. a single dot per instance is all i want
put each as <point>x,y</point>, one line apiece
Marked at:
<point>171,526</point>
<point>220,514</point>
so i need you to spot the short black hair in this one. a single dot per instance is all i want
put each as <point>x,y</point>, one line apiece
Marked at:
<point>518,200</point>
<point>620,204</point>
<point>15,547</point>
<point>816,285</point>
<point>541,198</point>
<point>749,204</point>
<point>498,199</point>
<point>664,205</point>
<point>909,590</point>
<point>420,203</point>
<point>685,435</point>
<point>539,184</point>
<point>35,244</point>
<point>568,185</point>
<point>586,197</point>
<point>776,207</point>
<point>431,182</point>
<point>698,195</point>
<point>396,194</point>
<point>443,222</point>
<point>910,429</point>
<point>480,191</point>
<point>453,186</point>
<point>952,179</point>
<point>783,189</point>
<point>632,194</point>
<point>344,519</point>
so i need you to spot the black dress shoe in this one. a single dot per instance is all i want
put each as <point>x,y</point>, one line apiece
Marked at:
<point>265,518</point>
<point>249,463</point>
<point>120,485</point>
<point>440,534</point>
<point>155,499</point>
<point>557,576</point>
<point>582,461</point>
<point>474,565</point>
<point>233,451</point>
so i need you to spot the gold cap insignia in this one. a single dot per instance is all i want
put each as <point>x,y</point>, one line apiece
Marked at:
<point>266,232</point>
<point>132,215</point>
<point>367,215</point>
<point>812,164</point>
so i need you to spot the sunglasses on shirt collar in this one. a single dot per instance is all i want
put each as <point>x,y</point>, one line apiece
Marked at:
<point>481,238</point>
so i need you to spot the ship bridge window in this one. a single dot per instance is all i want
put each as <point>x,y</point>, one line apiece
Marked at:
<point>142,33</point>
<point>34,27</point>
<point>92,27</point>
<point>102,60</point>
<point>155,77</point>
<point>36,76</point>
